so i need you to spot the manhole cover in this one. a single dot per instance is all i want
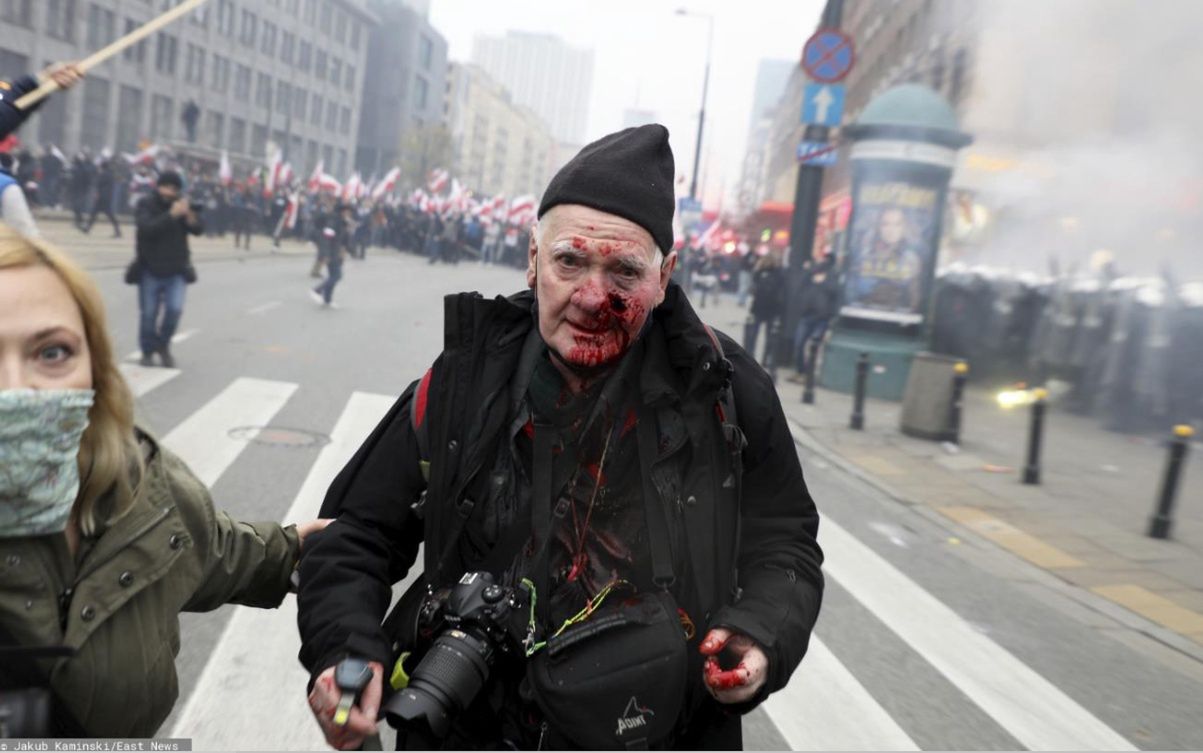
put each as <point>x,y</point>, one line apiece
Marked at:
<point>279,436</point>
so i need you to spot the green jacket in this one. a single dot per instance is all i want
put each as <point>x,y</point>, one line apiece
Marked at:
<point>118,603</point>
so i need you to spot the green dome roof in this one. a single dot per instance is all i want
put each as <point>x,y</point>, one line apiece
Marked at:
<point>910,105</point>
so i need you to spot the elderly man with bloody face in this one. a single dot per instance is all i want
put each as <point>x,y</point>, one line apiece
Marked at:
<point>618,544</point>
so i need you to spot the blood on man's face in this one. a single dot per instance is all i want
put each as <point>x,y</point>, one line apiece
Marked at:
<point>597,279</point>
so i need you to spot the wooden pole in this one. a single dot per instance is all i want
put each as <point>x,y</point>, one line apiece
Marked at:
<point>49,86</point>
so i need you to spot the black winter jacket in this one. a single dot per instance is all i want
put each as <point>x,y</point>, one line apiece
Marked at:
<point>771,593</point>
<point>162,242</point>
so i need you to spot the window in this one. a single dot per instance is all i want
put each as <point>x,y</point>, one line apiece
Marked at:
<point>328,156</point>
<point>336,71</point>
<point>421,93</point>
<point>225,17</point>
<point>161,109</point>
<point>311,12</point>
<point>237,139</point>
<point>165,53</point>
<point>288,43</point>
<point>259,141</point>
<point>60,19</point>
<point>344,120</point>
<point>95,130</point>
<point>134,53</point>
<point>200,17</point>
<point>215,124</point>
<point>283,97</point>
<point>425,52</point>
<point>102,27</point>
<point>267,43</point>
<point>194,67</point>
<point>219,75</point>
<point>263,90</point>
<point>342,162</point>
<point>242,83</point>
<point>340,27</point>
<point>250,28</point>
<point>355,35</point>
<point>315,110</point>
<point>304,56</point>
<point>16,12</point>
<point>319,64</point>
<point>300,99</point>
<point>310,155</point>
<point>331,116</point>
<point>129,118</point>
<point>350,83</point>
<point>326,12</point>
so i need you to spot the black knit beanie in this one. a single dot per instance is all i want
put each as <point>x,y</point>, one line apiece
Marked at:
<point>628,173</point>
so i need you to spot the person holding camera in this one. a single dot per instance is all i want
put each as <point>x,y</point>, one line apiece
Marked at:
<point>619,548</point>
<point>163,264</point>
<point>105,535</point>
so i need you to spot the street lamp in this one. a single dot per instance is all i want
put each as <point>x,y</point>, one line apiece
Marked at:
<point>697,152</point>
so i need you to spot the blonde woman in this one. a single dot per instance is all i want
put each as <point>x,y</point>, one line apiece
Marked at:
<point>105,536</point>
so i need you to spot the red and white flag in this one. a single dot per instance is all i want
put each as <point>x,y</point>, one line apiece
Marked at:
<point>145,157</point>
<point>387,184</point>
<point>290,211</point>
<point>315,180</point>
<point>273,173</point>
<point>329,184</point>
<point>438,180</point>
<point>224,173</point>
<point>521,208</point>
<point>351,187</point>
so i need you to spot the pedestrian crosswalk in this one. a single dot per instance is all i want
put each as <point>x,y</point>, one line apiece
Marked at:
<point>251,691</point>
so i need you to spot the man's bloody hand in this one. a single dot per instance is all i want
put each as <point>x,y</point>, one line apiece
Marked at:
<point>741,682</point>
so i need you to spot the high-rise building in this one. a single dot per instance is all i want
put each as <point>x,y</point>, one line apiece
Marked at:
<point>544,74</point>
<point>289,72</point>
<point>404,86</point>
<point>498,146</point>
<point>771,79</point>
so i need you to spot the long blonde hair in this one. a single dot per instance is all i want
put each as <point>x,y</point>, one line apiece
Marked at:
<point>109,458</point>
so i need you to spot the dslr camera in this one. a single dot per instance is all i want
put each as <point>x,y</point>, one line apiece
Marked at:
<point>475,621</point>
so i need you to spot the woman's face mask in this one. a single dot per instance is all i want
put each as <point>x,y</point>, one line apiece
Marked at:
<point>40,432</point>
<point>45,394</point>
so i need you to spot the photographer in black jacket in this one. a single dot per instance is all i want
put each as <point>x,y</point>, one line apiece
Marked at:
<point>611,484</point>
<point>164,264</point>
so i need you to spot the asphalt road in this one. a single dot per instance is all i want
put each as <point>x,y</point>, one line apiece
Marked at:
<point>928,639</point>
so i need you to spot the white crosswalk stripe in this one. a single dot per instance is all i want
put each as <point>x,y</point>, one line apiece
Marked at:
<point>176,339</point>
<point>1029,707</point>
<point>143,379</point>
<point>252,674</point>
<point>203,440</point>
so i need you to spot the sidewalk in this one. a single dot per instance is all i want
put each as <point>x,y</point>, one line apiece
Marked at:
<point>1084,524</point>
<point>99,250</point>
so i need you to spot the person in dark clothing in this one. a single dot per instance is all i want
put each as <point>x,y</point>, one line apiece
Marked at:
<point>820,296</point>
<point>334,241</point>
<point>65,75</point>
<point>52,175</point>
<point>164,220</point>
<point>104,198</point>
<point>242,217</point>
<point>585,438</point>
<point>768,300</point>
<point>83,174</point>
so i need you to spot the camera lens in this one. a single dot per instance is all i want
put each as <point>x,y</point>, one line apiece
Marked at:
<point>444,683</point>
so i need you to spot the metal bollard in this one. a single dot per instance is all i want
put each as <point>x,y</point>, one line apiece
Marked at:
<point>858,402</point>
<point>1163,520</point>
<point>1031,471</point>
<point>812,353</point>
<point>960,373</point>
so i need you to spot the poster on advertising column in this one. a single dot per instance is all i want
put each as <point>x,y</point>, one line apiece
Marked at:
<point>891,247</point>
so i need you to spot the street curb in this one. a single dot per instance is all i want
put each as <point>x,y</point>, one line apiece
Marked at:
<point>1098,604</point>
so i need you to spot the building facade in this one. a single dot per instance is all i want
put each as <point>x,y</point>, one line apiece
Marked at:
<point>497,145</point>
<point>771,79</point>
<point>288,72</point>
<point>544,74</point>
<point>406,78</point>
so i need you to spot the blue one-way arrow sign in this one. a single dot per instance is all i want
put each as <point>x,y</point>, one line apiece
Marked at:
<point>823,104</point>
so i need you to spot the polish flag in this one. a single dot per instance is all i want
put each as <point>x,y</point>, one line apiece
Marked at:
<point>438,180</point>
<point>315,180</point>
<point>387,184</point>
<point>145,157</point>
<point>329,184</point>
<point>290,211</point>
<point>520,208</point>
<point>273,173</point>
<point>224,173</point>
<point>352,186</point>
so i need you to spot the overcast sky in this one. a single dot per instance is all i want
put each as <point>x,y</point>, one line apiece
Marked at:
<point>650,58</point>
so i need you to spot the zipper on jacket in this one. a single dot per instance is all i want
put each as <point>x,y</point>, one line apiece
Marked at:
<point>64,606</point>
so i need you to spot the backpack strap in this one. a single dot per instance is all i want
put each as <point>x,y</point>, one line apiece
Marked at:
<point>736,442</point>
